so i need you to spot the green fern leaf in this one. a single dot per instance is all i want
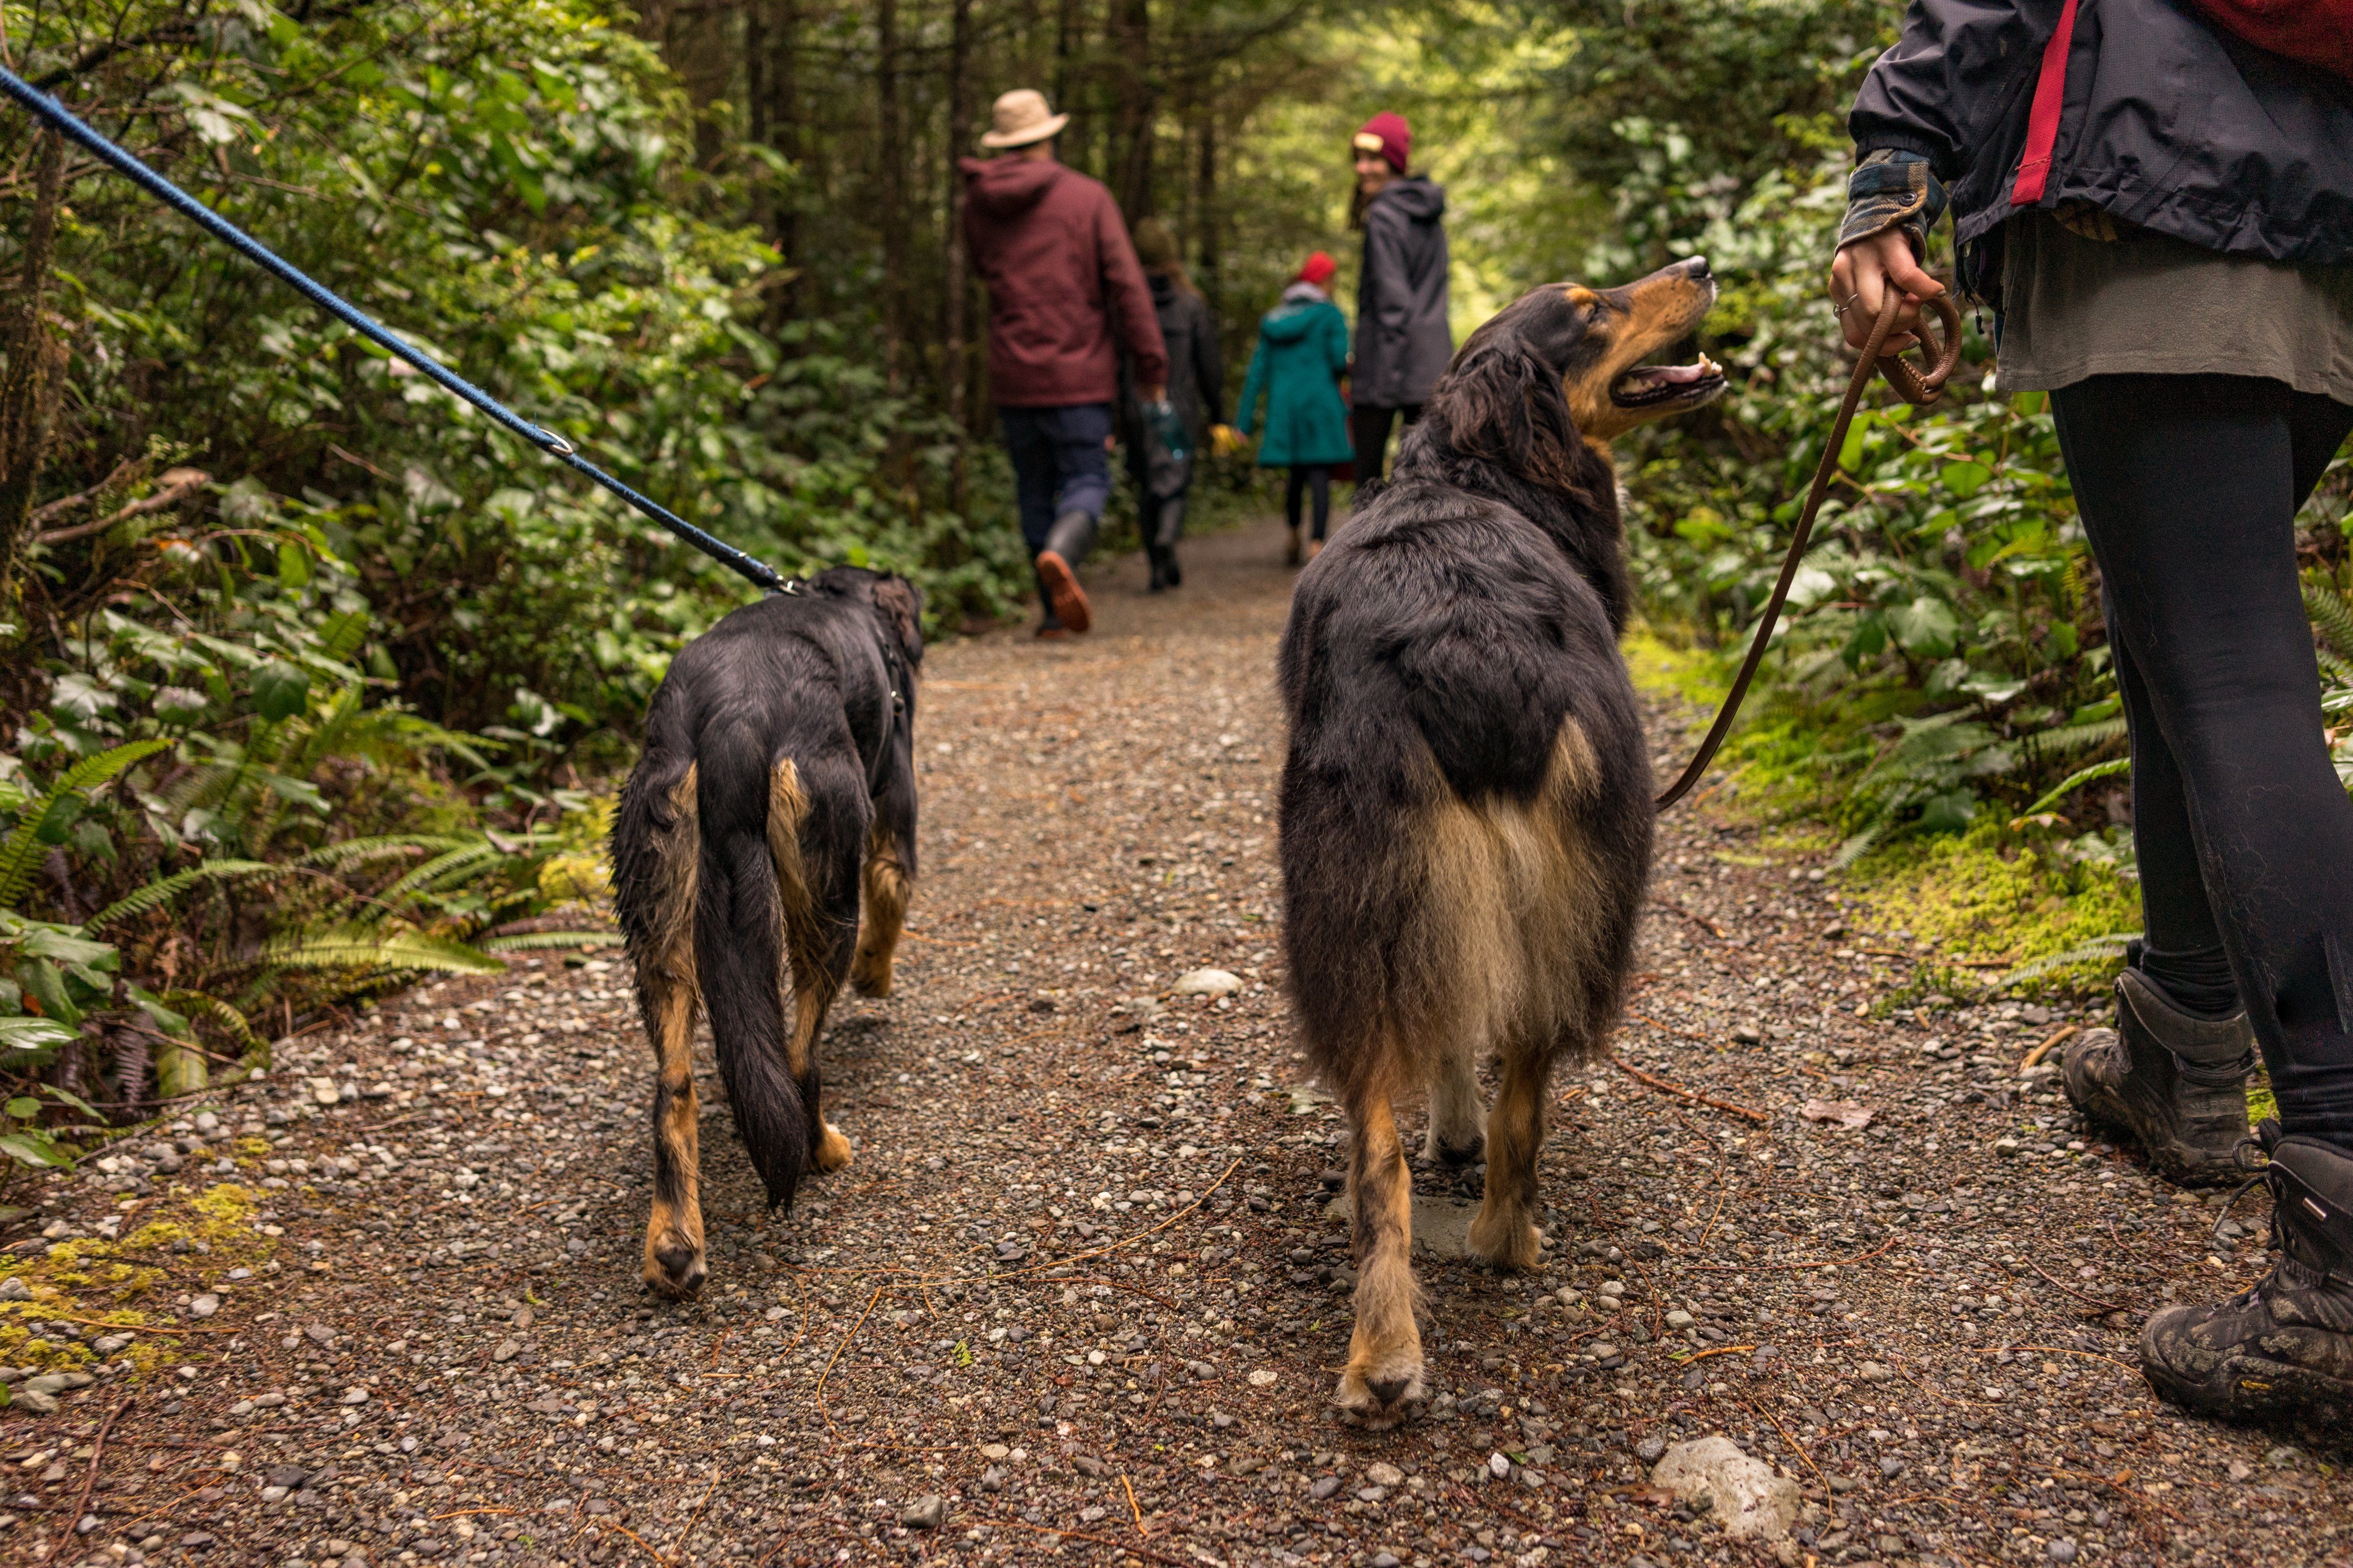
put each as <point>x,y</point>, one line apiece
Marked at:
<point>2109,946</point>
<point>2074,782</point>
<point>473,857</point>
<point>2331,614</point>
<point>529,940</point>
<point>23,850</point>
<point>164,889</point>
<point>353,852</point>
<point>362,947</point>
<point>2078,737</point>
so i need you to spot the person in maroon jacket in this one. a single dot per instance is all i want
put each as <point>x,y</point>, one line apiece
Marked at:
<point>1050,245</point>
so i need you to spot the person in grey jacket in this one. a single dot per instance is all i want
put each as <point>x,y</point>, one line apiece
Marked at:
<point>2160,213</point>
<point>1403,338</point>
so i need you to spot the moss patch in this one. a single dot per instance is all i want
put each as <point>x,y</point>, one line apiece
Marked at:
<point>1986,900</point>
<point>187,1243</point>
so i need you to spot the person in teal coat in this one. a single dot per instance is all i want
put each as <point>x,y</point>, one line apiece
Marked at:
<point>1302,351</point>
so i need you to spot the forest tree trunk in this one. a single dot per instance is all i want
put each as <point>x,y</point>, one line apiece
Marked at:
<point>1130,141</point>
<point>891,140</point>
<point>30,386</point>
<point>955,292</point>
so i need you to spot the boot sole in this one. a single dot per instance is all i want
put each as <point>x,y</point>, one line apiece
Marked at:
<point>2251,1389</point>
<point>1062,592</point>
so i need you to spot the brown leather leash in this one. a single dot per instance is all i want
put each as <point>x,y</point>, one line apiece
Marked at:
<point>1914,386</point>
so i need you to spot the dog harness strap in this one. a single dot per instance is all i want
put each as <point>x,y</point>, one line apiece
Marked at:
<point>63,122</point>
<point>1914,386</point>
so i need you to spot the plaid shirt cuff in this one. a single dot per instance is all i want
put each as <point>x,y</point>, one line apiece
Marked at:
<point>1892,189</point>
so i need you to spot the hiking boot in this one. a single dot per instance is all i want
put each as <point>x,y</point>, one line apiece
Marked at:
<point>1292,555</point>
<point>2283,1349</point>
<point>1067,543</point>
<point>2175,1082</point>
<point>1172,524</point>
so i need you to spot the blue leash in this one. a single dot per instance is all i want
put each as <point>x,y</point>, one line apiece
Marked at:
<point>63,119</point>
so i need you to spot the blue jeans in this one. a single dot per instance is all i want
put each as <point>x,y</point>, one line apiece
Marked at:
<point>1058,464</point>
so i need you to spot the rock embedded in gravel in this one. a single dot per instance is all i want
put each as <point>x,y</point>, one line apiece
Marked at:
<point>1381,1473</point>
<point>928,1512</point>
<point>1748,1496</point>
<point>1207,982</point>
<point>14,1288</point>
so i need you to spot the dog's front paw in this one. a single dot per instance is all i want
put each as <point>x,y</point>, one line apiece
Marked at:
<point>674,1263</point>
<point>832,1152</point>
<point>1382,1400</point>
<point>1505,1237</point>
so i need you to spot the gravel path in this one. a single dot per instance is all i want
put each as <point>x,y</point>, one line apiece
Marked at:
<point>1080,1297</point>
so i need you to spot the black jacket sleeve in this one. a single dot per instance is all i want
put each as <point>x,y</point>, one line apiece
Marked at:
<point>1953,78</point>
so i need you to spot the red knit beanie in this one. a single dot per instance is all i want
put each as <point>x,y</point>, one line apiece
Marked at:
<point>1318,268</point>
<point>1388,135</point>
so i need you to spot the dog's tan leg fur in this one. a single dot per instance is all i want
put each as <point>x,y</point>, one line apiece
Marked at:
<point>811,979</point>
<point>674,1258</point>
<point>1383,1373</point>
<point>1504,1229</point>
<point>1455,1124</point>
<point>886,892</point>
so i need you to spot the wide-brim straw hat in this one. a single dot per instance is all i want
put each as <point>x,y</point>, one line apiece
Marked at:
<point>1022,116</point>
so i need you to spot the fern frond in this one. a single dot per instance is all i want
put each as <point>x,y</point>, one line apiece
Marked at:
<point>164,889</point>
<point>1856,847</point>
<point>2076,781</point>
<point>2109,946</point>
<point>22,849</point>
<point>362,947</point>
<point>353,852</point>
<point>252,1050</point>
<point>2331,614</point>
<point>2078,737</point>
<point>473,857</point>
<point>530,940</point>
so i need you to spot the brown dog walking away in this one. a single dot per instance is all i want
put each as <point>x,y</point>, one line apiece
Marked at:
<point>1466,804</point>
<point>777,785</point>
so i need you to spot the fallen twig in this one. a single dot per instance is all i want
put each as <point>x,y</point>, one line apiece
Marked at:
<point>1693,916</point>
<point>1131,1503</point>
<point>1658,1083</point>
<point>2104,1307</point>
<point>2039,1052</point>
<point>1714,1350</point>
<point>1814,1263</point>
<point>89,1478</point>
<point>1799,1447</point>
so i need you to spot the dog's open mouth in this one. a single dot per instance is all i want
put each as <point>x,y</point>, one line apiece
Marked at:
<point>1650,384</point>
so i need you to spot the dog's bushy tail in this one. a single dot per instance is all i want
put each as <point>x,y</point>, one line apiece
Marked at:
<point>751,900</point>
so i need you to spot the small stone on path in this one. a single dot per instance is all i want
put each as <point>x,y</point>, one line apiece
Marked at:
<point>1747,1495</point>
<point>1208,982</point>
<point>927,1512</point>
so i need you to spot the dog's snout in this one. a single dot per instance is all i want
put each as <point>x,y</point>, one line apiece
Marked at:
<point>1695,268</point>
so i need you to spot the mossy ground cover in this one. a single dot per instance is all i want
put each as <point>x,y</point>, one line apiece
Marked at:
<point>184,1242</point>
<point>1977,905</point>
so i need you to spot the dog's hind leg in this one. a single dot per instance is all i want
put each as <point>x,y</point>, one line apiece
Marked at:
<point>819,901</point>
<point>667,996</point>
<point>1384,1371</point>
<point>887,886</point>
<point>1456,1133</point>
<point>1504,1229</point>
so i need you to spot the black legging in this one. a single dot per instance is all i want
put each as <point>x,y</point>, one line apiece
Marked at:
<point>1371,426</point>
<point>2189,487</point>
<point>1316,477</point>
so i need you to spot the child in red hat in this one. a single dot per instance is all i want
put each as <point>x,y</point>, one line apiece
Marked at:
<point>1303,348</point>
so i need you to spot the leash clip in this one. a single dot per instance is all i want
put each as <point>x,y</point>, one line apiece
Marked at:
<point>554,442</point>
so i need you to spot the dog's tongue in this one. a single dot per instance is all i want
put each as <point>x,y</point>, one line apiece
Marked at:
<point>1674,372</point>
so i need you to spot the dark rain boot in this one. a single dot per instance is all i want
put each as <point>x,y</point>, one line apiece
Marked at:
<point>1067,543</point>
<point>1172,524</point>
<point>2283,1349</point>
<point>2175,1082</point>
<point>1050,625</point>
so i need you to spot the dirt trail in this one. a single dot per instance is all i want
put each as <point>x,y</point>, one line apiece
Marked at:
<point>1080,1298</point>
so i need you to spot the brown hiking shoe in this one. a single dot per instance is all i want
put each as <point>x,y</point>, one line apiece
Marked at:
<point>2176,1083</point>
<point>2285,1349</point>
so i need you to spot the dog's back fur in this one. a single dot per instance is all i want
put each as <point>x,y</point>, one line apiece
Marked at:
<point>1466,817</point>
<point>777,777</point>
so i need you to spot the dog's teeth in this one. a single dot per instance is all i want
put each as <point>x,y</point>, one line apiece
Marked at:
<point>1708,366</point>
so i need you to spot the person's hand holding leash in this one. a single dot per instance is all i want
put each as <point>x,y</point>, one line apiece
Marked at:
<point>1862,275</point>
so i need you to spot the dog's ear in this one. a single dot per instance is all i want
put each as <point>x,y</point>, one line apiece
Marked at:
<point>901,604</point>
<point>1501,403</point>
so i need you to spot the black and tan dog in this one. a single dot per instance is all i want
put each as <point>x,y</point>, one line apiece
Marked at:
<point>778,775</point>
<point>1466,804</point>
